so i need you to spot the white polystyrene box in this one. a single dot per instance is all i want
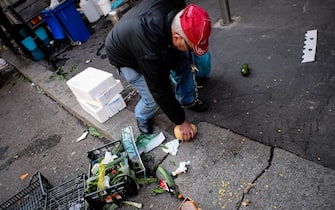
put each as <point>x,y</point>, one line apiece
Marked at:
<point>106,96</point>
<point>100,113</point>
<point>90,83</point>
<point>115,105</point>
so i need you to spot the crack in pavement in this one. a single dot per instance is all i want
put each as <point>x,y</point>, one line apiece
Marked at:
<point>238,204</point>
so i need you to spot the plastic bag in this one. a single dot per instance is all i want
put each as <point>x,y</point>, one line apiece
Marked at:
<point>203,64</point>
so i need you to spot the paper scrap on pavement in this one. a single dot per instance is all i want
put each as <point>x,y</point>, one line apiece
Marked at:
<point>82,137</point>
<point>148,142</point>
<point>171,147</point>
<point>309,46</point>
<point>181,169</point>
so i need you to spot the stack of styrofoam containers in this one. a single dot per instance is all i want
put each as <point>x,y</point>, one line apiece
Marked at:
<point>98,93</point>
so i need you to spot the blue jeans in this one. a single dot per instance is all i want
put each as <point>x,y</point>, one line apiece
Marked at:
<point>185,89</point>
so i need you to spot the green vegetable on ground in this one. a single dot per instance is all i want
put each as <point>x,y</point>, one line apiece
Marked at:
<point>245,70</point>
<point>167,176</point>
<point>94,132</point>
<point>157,191</point>
<point>144,181</point>
<point>131,203</point>
<point>112,206</point>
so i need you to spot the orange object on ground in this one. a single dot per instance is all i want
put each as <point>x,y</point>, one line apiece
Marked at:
<point>177,132</point>
<point>188,204</point>
<point>24,176</point>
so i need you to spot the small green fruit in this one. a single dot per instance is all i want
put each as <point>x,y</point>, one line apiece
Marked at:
<point>245,70</point>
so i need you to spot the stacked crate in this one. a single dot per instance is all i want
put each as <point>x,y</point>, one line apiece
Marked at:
<point>98,93</point>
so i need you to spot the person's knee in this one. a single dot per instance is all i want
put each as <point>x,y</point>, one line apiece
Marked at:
<point>130,75</point>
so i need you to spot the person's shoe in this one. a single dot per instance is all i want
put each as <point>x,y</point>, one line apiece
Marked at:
<point>198,106</point>
<point>145,127</point>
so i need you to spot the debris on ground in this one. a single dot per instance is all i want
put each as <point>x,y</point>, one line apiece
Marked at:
<point>245,70</point>
<point>24,176</point>
<point>146,143</point>
<point>39,90</point>
<point>188,204</point>
<point>94,132</point>
<point>128,93</point>
<point>246,202</point>
<point>171,147</point>
<point>181,169</point>
<point>249,186</point>
<point>166,183</point>
<point>157,191</point>
<point>165,175</point>
<point>83,136</point>
<point>309,48</point>
<point>131,203</point>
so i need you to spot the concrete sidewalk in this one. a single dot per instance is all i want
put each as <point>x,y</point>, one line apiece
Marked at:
<point>227,170</point>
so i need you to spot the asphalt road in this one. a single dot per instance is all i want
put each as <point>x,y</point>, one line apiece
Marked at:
<point>283,102</point>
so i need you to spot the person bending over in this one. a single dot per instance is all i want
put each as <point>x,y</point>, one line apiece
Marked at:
<point>154,44</point>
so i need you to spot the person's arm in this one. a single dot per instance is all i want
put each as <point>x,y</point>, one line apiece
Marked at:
<point>157,78</point>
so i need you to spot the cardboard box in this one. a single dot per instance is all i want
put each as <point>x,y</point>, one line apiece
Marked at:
<point>99,113</point>
<point>91,84</point>
<point>129,145</point>
<point>105,97</point>
<point>115,105</point>
<point>103,112</point>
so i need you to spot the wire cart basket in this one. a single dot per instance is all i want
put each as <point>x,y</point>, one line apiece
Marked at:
<point>69,195</point>
<point>32,196</point>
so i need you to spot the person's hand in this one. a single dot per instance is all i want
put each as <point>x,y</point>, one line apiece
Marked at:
<point>186,131</point>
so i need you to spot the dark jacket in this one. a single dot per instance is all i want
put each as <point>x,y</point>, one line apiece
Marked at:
<point>142,40</point>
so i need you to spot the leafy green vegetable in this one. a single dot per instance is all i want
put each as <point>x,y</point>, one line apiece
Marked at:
<point>163,146</point>
<point>157,191</point>
<point>112,206</point>
<point>40,90</point>
<point>94,132</point>
<point>73,67</point>
<point>144,181</point>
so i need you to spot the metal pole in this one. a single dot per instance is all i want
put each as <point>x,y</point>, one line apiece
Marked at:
<point>224,7</point>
